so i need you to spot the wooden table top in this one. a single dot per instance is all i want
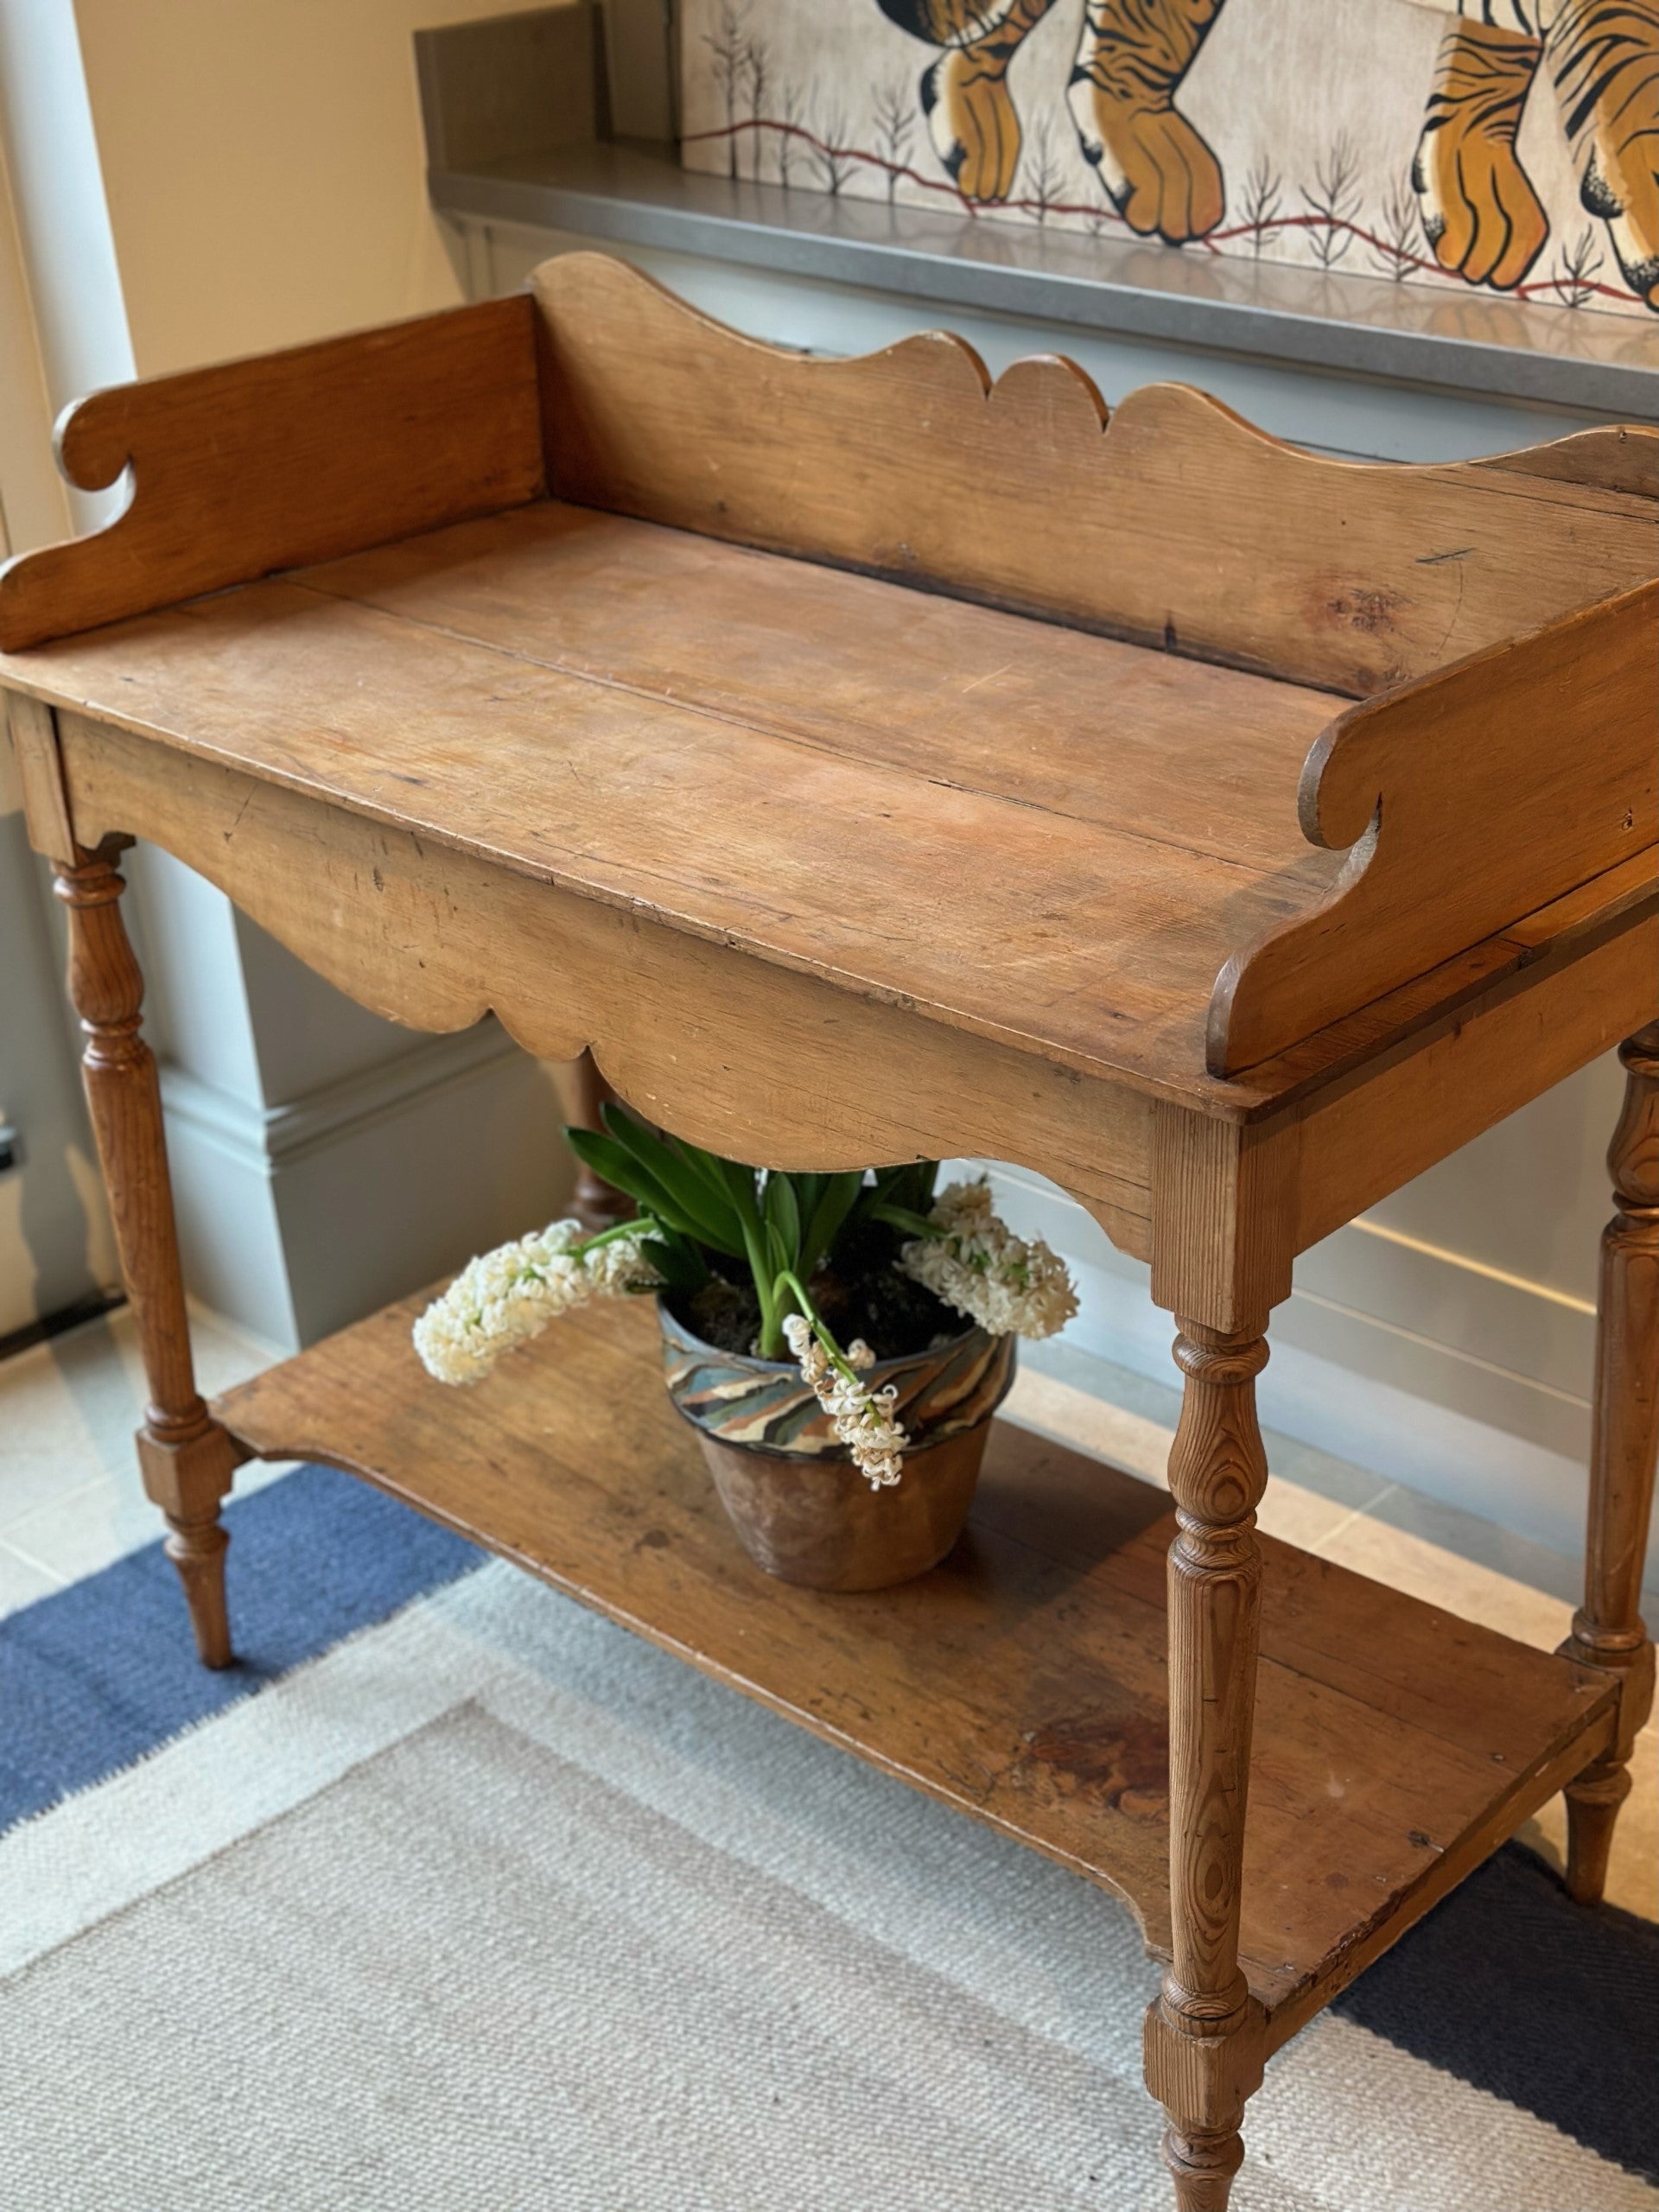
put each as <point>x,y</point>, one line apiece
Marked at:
<point>810,659</point>
<point>1049,836</point>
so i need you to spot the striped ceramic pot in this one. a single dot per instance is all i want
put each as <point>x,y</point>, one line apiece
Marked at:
<point>801,1509</point>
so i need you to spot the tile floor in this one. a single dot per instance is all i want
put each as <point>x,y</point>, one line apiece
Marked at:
<point>70,1502</point>
<point>70,1498</point>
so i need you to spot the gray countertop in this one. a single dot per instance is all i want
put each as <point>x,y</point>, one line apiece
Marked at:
<point>1591,363</point>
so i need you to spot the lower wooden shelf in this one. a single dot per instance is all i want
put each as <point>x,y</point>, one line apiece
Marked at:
<point>1023,1681</point>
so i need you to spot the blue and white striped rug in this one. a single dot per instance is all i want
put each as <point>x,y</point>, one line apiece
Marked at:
<point>454,1896</point>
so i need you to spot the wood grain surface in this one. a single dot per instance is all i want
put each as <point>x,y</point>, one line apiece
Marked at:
<point>932,838</point>
<point>928,805</point>
<point>743,1057</point>
<point>1481,793</point>
<point>616,708</point>
<point>1033,832</point>
<point>257,465</point>
<point>1175,524</point>
<point>1205,2040</point>
<point>787,1069</point>
<point>1024,1679</point>
<point>186,1456</point>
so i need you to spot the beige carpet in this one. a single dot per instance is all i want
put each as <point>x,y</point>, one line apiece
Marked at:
<point>496,1908</point>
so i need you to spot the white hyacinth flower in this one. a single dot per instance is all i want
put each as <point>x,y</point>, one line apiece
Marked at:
<point>506,1297</point>
<point>862,1418</point>
<point>976,1264</point>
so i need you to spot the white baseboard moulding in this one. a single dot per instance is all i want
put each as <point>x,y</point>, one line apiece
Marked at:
<point>1450,1423</point>
<point>297,1218</point>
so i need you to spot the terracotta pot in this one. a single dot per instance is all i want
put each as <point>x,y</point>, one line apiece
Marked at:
<point>801,1509</point>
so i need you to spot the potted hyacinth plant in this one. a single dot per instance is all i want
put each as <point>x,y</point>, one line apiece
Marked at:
<point>838,1342</point>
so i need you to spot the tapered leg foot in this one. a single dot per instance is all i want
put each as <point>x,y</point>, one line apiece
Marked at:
<point>1202,2167</point>
<point>186,1459</point>
<point>1205,2044</point>
<point>1592,1803</point>
<point>197,1548</point>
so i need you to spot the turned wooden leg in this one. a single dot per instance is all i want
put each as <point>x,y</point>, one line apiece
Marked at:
<point>187,1458</point>
<point>1204,2031</point>
<point>1608,1631</point>
<point>594,1202</point>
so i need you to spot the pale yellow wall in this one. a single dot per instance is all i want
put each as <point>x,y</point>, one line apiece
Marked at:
<point>263,167</point>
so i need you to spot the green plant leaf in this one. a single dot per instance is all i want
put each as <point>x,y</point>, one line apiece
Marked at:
<point>910,1186</point>
<point>809,1189</point>
<point>677,1261</point>
<point>618,1166</point>
<point>708,1165</point>
<point>901,1218</point>
<point>739,1187</point>
<point>694,1204</point>
<point>783,1217</point>
<point>756,1238</point>
<point>828,1218</point>
<point>626,1172</point>
<point>878,1192</point>
<point>780,1258</point>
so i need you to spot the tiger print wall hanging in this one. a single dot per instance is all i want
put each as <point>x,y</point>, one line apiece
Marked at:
<point>1511,145</point>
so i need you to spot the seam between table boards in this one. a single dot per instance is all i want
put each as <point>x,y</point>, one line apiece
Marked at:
<point>1253,871</point>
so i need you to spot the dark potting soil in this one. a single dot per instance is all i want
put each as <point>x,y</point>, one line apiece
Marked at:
<point>862,1294</point>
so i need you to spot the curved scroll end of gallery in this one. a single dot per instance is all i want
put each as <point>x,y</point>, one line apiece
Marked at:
<point>1339,795</point>
<point>93,451</point>
<point>1468,801</point>
<point>91,439</point>
<point>1294,981</point>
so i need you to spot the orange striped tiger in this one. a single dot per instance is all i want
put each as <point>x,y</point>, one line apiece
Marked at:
<point>1158,172</point>
<point>1604,57</point>
<point>1479,209</point>
<point>1478,206</point>
<point>971,117</point>
<point>1479,212</point>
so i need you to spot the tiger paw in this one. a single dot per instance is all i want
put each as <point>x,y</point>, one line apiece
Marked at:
<point>974,124</point>
<point>1157,171</point>
<point>1608,88</point>
<point>1479,212</point>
